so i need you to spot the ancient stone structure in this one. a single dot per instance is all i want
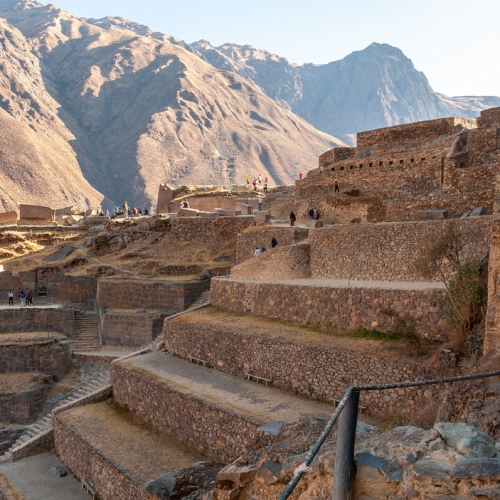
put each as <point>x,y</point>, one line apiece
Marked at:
<point>34,319</point>
<point>36,213</point>
<point>8,218</point>
<point>448,164</point>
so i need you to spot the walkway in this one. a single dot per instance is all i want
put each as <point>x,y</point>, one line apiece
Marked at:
<point>17,305</point>
<point>334,283</point>
<point>248,399</point>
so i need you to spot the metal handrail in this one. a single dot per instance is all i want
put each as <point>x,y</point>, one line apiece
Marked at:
<point>302,468</point>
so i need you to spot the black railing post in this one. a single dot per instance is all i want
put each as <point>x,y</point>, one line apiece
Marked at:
<point>343,470</point>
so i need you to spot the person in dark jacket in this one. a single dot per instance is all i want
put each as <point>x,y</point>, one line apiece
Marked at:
<point>292,219</point>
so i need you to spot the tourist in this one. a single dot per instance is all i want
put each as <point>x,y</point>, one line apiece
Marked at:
<point>11,298</point>
<point>248,178</point>
<point>134,211</point>
<point>263,249</point>
<point>265,186</point>
<point>266,179</point>
<point>315,215</point>
<point>29,298</point>
<point>22,297</point>
<point>293,218</point>
<point>336,184</point>
<point>301,175</point>
<point>321,168</point>
<point>274,242</point>
<point>255,184</point>
<point>146,212</point>
<point>139,212</point>
<point>260,203</point>
<point>125,207</point>
<point>257,252</point>
<point>260,179</point>
<point>311,213</point>
<point>107,212</point>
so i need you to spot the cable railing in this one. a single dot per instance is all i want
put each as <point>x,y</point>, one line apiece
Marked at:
<point>347,415</point>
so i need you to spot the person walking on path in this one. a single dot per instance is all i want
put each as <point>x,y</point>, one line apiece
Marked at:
<point>22,298</point>
<point>265,186</point>
<point>274,242</point>
<point>257,252</point>
<point>11,298</point>
<point>260,179</point>
<point>301,175</point>
<point>321,168</point>
<point>336,184</point>
<point>260,203</point>
<point>29,298</point>
<point>292,218</point>
<point>248,178</point>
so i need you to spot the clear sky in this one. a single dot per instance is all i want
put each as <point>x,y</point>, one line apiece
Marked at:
<point>454,42</point>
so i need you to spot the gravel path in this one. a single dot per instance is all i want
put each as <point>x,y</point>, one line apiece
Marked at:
<point>254,401</point>
<point>331,283</point>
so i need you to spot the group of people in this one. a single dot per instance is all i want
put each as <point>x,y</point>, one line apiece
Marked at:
<point>26,298</point>
<point>313,214</point>
<point>259,250</point>
<point>257,181</point>
<point>127,211</point>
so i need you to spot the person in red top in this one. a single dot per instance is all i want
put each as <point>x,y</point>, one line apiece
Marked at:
<point>265,179</point>
<point>301,175</point>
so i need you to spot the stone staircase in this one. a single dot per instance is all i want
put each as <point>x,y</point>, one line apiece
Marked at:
<point>44,422</point>
<point>87,332</point>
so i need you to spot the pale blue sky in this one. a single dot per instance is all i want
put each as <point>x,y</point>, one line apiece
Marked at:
<point>454,42</point>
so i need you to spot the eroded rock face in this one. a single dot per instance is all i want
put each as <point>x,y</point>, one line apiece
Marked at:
<point>406,462</point>
<point>467,439</point>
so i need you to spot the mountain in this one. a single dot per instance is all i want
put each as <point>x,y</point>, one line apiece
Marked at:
<point>112,109</point>
<point>372,88</point>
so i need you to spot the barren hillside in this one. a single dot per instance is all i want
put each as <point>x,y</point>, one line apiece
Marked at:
<point>139,110</point>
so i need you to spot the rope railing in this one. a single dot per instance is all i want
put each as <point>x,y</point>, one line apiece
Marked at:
<point>347,464</point>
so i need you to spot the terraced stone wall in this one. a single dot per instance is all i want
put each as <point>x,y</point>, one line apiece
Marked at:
<point>313,372</point>
<point>349,308</point>
<point>130,329</point>
<point>49,357</point>
<point>109,480</point>
<point>387,251</point>
<point>219,434</point>
<point>21,407</point>
<point>247,241</point>
<point>164,295</point>
<point>33,319</point>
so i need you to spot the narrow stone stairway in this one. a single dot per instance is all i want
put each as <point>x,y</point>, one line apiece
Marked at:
<point>44,422</point>
<point>87,332</point>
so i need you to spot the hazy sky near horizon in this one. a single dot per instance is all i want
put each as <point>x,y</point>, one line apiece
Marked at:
<point>454,42</point>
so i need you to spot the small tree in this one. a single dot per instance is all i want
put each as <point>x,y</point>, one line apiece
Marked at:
<point>442,256</point>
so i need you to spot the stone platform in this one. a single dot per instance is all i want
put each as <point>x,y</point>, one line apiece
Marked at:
<point>99,443</point>
<point>171,394</point>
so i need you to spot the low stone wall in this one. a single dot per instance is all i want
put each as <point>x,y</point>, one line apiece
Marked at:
<point>21,407</point>
<point>250,239</point>
<point>130,329</point>
<point>349,308</point>
<point>386,251</point>
<point>86,462</point>
<point>313,372</point>
<point>220,434</point>
<point>37,320</point>
<point>164,295</point>
<point>49,357</point>
<point>281,262</point>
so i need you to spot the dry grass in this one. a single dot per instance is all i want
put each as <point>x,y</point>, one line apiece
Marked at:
<point>20,381</point>
<point>29,337</point>
<point>276,329</point>
<point>144,454</point>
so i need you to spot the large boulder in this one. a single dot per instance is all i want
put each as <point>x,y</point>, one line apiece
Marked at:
<point>466,439</point>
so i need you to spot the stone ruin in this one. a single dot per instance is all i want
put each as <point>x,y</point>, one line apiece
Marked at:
<point>197,382</point>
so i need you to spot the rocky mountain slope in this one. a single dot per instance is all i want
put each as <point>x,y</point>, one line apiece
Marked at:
<point>134,109</point>
<point>372,88</point>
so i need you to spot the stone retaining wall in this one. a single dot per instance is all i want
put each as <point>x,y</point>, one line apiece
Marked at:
<point>86,462</point>
<point>22,406</point>
<point>130,329</point>
<point>49,357</point>
<point>164,295</point>
<point>386,251</point>
<point>281,262</point>
<point>215,432</point>
<point>247,241</point>
<point>348,308</point>
<point>31,319</point>
<point>313,372</point>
